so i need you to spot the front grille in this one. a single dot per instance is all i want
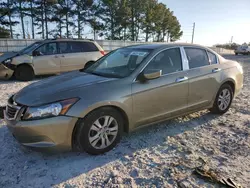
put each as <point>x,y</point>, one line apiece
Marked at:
<point>12,111</point>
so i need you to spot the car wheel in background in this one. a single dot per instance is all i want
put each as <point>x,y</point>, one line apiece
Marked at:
<point>236,53</point>
<point>99,131</point>
<point>24,73</point>
<point>223,100</point>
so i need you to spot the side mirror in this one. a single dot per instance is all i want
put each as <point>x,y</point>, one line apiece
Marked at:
<point>36,53</point>
<point>87,65</point>
<point>149,75</point>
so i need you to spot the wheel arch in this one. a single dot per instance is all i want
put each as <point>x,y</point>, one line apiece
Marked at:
<point>230,82</point>
<point>26,64</point>
<point>120,110</point>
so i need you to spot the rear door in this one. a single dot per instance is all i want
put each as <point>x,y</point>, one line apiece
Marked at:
<point>75,54</point>
<point>49,61</point>
<point>204,77</point>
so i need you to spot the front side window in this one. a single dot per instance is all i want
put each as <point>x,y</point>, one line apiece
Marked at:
<point>29,48</point>
<point>168,61</point>
<point>212,58</point>
<point>119,63</point>
<point>48,49</point>
<point>196,57</point>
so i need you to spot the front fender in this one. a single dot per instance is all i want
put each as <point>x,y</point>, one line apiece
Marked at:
<point>82,108</point>
<point>23,59</point>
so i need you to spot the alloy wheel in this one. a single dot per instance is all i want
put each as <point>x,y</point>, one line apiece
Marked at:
<point>224,99</point>
<point>103,132</point>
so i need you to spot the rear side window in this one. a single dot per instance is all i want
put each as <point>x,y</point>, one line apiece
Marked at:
<point>77,47</point>
<point>212,58</point>
<point>89,47</point>
<point>196,57</point>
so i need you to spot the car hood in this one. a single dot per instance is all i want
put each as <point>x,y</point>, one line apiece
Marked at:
<point>57,88</point>
<point>7,55</point>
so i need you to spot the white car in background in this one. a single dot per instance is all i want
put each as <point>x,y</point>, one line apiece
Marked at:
<point>244,50</point>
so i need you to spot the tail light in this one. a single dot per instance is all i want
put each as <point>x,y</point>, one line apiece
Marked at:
<point>103,52</point>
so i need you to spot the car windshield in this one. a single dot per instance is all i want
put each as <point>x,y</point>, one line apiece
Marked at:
<point>120,63</point>
<point>29,48</point>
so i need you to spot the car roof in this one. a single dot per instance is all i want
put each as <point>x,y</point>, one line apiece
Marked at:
<point>162,45</point>
<point>62,39</point>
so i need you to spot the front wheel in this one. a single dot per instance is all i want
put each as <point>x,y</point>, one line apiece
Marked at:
<point>100,131</point>
<point>223,100</point>
<point>24,73</point>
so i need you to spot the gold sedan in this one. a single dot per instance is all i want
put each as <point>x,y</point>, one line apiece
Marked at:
<point>124,90</point>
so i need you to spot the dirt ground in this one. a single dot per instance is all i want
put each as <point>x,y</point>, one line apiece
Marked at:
<point>163,155</point>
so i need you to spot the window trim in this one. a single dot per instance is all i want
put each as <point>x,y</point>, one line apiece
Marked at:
<point>195,47</point>
<point>217,59</point>
<point>183,60</point>
<point>57,48</point>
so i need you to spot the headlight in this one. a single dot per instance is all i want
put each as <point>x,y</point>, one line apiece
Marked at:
<point>50,110</point>
<point>7,61</point>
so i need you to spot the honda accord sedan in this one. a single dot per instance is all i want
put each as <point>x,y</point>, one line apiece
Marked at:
<point>130,87</point>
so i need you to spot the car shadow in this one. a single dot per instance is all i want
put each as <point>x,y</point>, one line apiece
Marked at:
<point>52,169</point>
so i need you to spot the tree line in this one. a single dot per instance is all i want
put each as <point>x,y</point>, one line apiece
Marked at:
<point>135,20</point>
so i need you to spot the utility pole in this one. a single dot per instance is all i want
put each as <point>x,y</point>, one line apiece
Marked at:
<point>231,39</point>
<point>193,33</point>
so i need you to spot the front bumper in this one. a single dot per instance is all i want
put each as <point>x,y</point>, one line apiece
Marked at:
<point>5,72</point>
<point>51,134</point>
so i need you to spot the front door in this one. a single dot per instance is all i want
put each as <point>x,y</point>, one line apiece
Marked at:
<point>204,77</point>
<point>166,96</point>
<point>48,62</point>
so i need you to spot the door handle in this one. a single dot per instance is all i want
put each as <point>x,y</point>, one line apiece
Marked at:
<point>55,56</point>
<point>62,56</point>
<point>181,79</point>
<point>216,70</point>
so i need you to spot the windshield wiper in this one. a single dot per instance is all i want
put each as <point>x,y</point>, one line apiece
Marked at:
<point>106,75</point>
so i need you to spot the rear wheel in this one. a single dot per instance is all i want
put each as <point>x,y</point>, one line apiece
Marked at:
<point>223,100</point>
<point>100,131</point>
<point>24,73</point>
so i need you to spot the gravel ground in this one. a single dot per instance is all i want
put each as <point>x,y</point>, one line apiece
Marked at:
<point>163,155</point>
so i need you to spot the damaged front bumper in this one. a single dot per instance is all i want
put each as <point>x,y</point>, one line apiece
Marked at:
<point>5,72</point>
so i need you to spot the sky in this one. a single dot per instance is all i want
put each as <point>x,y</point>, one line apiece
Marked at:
<point>216,20</point>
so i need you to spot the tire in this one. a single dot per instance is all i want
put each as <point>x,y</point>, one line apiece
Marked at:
<point>24,73</point>
<point>87,139</point>
<point>236,53</point>
<point>220,105</point>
